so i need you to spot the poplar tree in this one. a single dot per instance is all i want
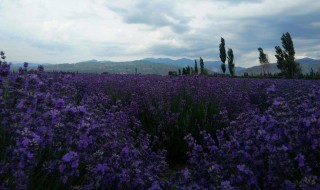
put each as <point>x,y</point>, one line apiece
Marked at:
<point>201,66</point>
<point>264,61</point>
<point>223,55</point>
<point>286,57</point>
<point>195,67</point>
<point>230,62</point>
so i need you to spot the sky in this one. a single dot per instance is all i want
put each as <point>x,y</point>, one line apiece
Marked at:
<point>69,31</point>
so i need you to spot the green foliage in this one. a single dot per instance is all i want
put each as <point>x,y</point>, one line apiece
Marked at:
<point>4,86</point>
<point>230,62</point>
<point>286,58</point>
<point>172,73</point>
<point>264,61</point>
<point>184,71</point>
<point>194,71</point>
<point>223,55</point>
<point>223,68</point>
<point>205,72</point>
<point>196,67</point>
<point>201,66</point>
<point>187,70</point>
<point>312,74</point>
<point>4,141</point>
<point>2,55</point>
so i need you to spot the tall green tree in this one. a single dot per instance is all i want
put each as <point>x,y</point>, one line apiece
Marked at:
<point>188,70</point>
<point>201,66</point>
<point>4,66</point>
<point>195,67</point>
<point>286,57</point>
<point>223,55</point>
<point>264,61</point>
<point>230,62</point>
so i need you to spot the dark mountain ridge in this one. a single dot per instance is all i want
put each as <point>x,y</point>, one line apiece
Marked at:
<point>160,66</point>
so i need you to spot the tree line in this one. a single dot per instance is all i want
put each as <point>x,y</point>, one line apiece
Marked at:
<point>285,60</point>
<point>188,70</point>
<point>223,57</point>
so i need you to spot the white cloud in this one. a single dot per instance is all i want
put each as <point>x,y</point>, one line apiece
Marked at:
<point>76,30</point>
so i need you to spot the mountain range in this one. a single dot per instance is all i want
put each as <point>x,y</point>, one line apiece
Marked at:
<point>159,66</point>
<point>305,63</point>
<point>212,66</point>
<point>94,66</point>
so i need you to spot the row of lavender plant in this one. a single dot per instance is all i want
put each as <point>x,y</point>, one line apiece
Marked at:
<point>121,132</point>
<point>50,141</point>
<point>275,149</point>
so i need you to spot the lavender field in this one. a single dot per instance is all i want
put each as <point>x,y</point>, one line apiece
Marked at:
<point>91,131</point>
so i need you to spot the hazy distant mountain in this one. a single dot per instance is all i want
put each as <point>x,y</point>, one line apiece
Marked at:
<point>180,62</point>
<point>94,66</point>
<point>29,64</point>
<point>306,65</point>
<point>213,66</point>
<point>159,66</point>
<point>308,60</point>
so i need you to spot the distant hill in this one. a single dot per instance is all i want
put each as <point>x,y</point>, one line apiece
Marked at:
<point>213,66</point>
<point>15,65</point>
<point>94,66</point>
<point>306,65</point>
<point>180,62</point>
<point>158,66</point>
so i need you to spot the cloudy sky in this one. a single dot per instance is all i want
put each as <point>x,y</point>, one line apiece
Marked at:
<point>61,31</point>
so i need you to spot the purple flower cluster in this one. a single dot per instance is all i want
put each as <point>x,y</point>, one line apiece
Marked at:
<point>46,134</point>
<point>274,149</point>
<point>90,131</point>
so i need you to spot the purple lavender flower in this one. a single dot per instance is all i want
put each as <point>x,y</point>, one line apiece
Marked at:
<point>69,156</point>
<point>21,71</point>
<point>101,168</point>
<point>59,104</point>
<point>186,173</point>
<point>120,132</point>
<point>301,160</point>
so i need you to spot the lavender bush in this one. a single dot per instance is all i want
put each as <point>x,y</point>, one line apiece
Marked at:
<point>90,131</point>
<point>274,149</point>
<point>48,140</point>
